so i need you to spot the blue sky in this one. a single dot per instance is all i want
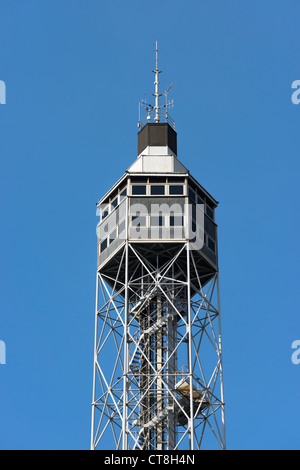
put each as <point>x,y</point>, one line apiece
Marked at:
<point>74,73</point>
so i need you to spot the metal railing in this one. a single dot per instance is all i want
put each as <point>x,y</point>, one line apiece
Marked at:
<point>163,117</point>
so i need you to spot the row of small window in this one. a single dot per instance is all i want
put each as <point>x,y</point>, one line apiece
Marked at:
<point>144,190</point>
<point>114,203</point>
<point>175,221</point>
<point>157,190</point>
<point>112,236</point>
<point>199,200</point>
<point>157,221</point>
<point>141,221</point>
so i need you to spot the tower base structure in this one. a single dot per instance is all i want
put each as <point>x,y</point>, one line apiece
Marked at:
<point>158,376</point>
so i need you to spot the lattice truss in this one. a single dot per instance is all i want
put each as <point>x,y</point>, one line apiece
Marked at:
<point>158,363</point>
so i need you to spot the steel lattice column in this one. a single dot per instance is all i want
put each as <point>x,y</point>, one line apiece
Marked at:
<point>158,360</point>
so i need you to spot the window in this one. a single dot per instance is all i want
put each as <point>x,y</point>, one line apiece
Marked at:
<point>138,190</point>
<point>175,189</point>
<point>199,200</point>
<point>139,179</point>
<point>123,194</point>
<point>103,245</point>
<point>112,236</point>
<point>157,221</point>
<point>157,179</point>
<point>114,203</point>
<point>157,190</point>
<point>138,221</point>
<point>209,212</point>
<point>176,179</point>
<point>211,245</point>
<point>121,227</point>
<point>104,213</point>
<point>192,195</point>
<point>176,220</point>
<point>194,211</point>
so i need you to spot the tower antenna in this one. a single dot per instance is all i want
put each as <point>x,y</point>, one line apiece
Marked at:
<point>156,83</point>
<point>157,112</point>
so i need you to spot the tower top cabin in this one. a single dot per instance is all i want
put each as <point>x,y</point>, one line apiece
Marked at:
<point>156,178</point>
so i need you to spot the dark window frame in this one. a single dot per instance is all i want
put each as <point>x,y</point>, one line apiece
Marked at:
<point>155,187</point>
<point>135,187</point>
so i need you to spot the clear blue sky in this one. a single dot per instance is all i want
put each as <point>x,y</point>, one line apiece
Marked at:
<point>74,72</point>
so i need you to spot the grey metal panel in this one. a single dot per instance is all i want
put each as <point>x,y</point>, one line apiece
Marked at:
<point>109,250</point>
<point>122,210</point>
<point>112,221</point>
<point>141,233</point>
<point>157,134</point>
<point>107,225</point>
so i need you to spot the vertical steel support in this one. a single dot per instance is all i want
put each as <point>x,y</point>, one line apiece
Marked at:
<point>125,374</point>
<point>159,363</point>
<point>126,352</point>
<point>190,360</point>
<point>221,368</point>
<point>95,365</point>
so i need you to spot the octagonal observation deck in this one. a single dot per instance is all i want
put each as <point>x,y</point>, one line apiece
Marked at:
<point>157,201</point>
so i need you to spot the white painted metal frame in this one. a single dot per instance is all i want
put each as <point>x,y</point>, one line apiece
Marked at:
<point>196,357</point>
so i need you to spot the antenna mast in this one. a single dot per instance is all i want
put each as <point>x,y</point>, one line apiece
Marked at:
<point>155,113</point>
<point>156,83</point>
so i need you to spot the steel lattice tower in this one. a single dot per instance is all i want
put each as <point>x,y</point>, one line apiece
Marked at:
<point>158,376</point>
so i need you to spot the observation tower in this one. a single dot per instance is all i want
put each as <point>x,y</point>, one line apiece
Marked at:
<point>158,375</point>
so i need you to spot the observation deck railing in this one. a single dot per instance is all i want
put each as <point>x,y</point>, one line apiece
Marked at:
<point>163,117</point>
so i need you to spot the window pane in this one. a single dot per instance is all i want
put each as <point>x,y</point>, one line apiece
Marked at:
<point>139,179</point>
<point>122,227</point>
<point>211,245</point>
<point>114,203</point>
<point>123,194</point>
<point>209,212</point>
<point>112,236</point>
<point>157,179</point>
<point>175,179</point>
<point>138,190</point>
<point>157,190</point>
<point>199,200</point>
<point>192,195</point>
<point>103,245</point>
<point>194,211</point>
<point>176,220</point>
<point>157,221</point>
<point>139,221</point>
<point>175,189</point>
<point>104,214</point>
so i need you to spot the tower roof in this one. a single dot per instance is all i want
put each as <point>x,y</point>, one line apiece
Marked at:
<point>157,144</point>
